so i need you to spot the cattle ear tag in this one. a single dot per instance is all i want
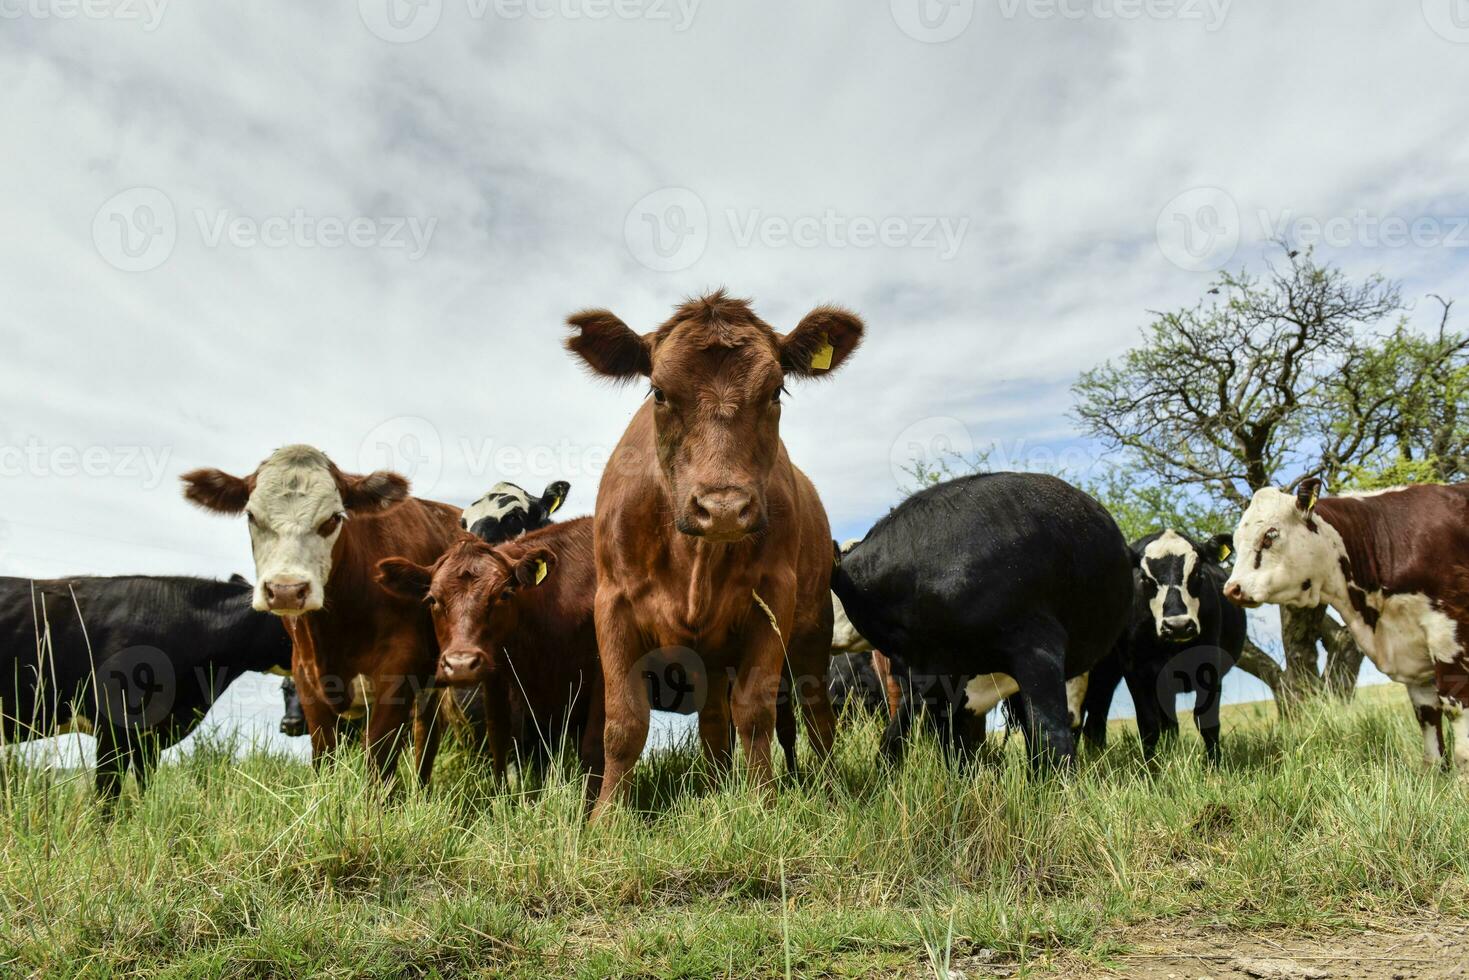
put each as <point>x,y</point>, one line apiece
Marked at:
<point>1224,552</point>
<point>1315,495</point>
<point>821,360</point>
<point>540,572</point>
<point>555,503</point>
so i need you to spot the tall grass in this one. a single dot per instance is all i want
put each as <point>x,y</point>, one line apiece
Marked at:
<point>258,866</point>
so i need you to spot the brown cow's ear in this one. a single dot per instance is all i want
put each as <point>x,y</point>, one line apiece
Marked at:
<point>404,579</point>
<point>820,342</point>
<point>373,493</point>
<point>609,346</point>
<point>533,566</point>
<point>217,490</point>
<point>1307,494</point>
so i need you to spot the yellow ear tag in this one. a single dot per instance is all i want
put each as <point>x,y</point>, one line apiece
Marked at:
<point>1315,495</point>
<point>821,360</point>
<point>554,504</point>
<point>540,572</point>
<point>1224,552</point>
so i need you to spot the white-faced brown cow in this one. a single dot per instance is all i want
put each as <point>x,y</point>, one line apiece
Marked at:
<point>1395,567</point>
<point>700,511</point>
<point>318,534</point>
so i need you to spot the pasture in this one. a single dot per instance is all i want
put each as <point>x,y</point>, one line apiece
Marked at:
<point>240,862</point>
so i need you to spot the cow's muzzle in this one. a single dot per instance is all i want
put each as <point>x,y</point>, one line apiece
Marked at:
<point>460,667</point>
<point>286,595</point>
<point>1236,594</point>
<point>723,514</point>
<point>1178,629</point>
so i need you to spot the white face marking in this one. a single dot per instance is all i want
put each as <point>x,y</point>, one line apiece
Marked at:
<point>985,691</point>
<point>294,500</point>
<point>1166,548</point>
<point>1273,535</point>
<point>844,635</point>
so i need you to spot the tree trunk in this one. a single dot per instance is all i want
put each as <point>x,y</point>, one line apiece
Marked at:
<point>1343,659</point>
<point>1300,630</point>
<point>1258,663</point>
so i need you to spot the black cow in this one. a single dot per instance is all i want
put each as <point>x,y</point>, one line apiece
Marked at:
<point>137,660</point>
<point>1018,580</point>
<point>1185,637</point>
<point>506,511</point>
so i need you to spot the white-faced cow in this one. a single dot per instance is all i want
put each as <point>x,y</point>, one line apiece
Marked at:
<point>318,534</point>
<point>707,537</point>
<point>1185,637</point>
<point>1394,565</point>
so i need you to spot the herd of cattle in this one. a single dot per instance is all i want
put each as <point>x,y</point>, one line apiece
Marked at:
<point>707,582</point>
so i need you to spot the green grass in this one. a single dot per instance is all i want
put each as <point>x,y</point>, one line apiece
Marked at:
<point>259,867</point>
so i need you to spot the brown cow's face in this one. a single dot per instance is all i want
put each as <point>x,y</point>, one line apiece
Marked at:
<point>295,503</point>
<point>717,374</point>
<point>472,594</point>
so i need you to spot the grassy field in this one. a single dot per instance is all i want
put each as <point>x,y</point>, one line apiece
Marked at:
<point>257,867</point>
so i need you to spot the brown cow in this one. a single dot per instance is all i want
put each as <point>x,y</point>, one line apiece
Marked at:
<point>701,511</point>
<point>1394,564</point>
<point>317,534</point>
<point>516,620</point>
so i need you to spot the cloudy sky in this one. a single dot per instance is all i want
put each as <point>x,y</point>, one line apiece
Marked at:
<point>361,223</point>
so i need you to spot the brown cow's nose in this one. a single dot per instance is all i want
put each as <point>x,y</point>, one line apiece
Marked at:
<point>727,513</point>
<point>286,596</point>
<point>461,666</point>
<point>1236,594</point>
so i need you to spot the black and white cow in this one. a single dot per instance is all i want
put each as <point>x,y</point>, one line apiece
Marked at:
<point>507,511</point>
<point>1019,581</point>
<point>136,660</point>
<point>1393,564</point>
<point>1185,637</point>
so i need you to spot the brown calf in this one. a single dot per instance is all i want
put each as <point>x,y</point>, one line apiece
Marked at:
<point>318,534</point>
<point>515,619</point>
<point>700,510</point>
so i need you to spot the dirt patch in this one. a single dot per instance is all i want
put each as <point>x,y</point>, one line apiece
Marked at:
<point>1426,946</point>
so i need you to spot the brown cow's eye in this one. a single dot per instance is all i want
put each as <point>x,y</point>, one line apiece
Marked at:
<point>329,525</point>
<point>432,602</point>
<point>658,396</point>
<point>775,399</point>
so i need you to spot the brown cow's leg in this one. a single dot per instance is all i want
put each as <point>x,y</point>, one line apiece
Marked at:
<point>809,666</point>
<point>388,720</point>
<point>321,718</point>
<point>755,692</point>
<point>498,724</point>
<point>593,752</point>
<point>625,699</point>
<point>714,724</point>
<point>428,728</point>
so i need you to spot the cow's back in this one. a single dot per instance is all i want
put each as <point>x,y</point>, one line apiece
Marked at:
<point>959,566</point>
